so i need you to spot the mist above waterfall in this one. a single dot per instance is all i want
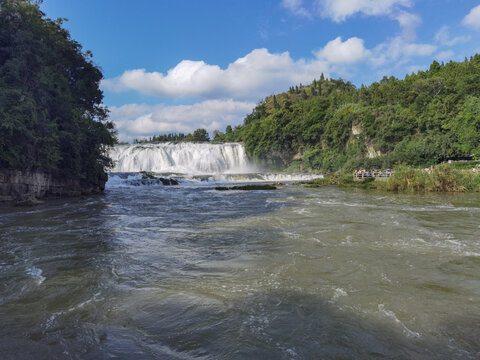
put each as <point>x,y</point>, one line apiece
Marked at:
<point>182,158</point>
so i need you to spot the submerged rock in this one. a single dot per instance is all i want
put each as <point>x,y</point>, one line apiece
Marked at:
<point>167,181</point>
<point>153,181</point>
<point>247,187</point>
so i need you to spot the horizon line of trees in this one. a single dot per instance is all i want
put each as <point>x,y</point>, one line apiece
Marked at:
<point>199,135</point>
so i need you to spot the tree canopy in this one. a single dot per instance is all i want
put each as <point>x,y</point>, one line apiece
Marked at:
<point>426,118</point>
<point>51,113</point>
<point>199,135</point>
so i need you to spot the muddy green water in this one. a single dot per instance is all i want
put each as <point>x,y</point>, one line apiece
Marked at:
<point>188,272</point>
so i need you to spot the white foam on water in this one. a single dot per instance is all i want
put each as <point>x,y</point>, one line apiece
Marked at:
<point>51,320</point>
<point>36,273</point>
<point>471,253</point>
<point>339,292</point>
<point>133,180</point>
<point>391,315</point>
<point>262,177</point>
<point>385,278</point>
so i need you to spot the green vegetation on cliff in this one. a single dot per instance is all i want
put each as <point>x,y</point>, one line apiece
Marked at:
<point>329,125</point>
<point>51,113</point>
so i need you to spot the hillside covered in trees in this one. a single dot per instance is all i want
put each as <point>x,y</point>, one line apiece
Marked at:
<point>51,114</point>
<point>330,124</point>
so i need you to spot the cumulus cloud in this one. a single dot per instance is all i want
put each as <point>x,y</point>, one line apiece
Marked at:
<point>409,23</point>
<point>296,8</point>
<point>261,73</point>
<point>443,37</point>
<point>445,55</point>
<point>473,18</point>
<point>251,77</point>
<point>134,121</point>
<point>340,10</point>
<point>336,51</point>
<point>399,49</point>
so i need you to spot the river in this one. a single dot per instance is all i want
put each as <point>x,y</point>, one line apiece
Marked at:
<point>188,272</point>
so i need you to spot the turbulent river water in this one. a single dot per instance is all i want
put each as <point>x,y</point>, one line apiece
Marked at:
<point>148,271</point>
<point>188,272</point>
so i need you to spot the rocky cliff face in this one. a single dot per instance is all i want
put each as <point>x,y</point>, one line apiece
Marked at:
<point>32,185</point>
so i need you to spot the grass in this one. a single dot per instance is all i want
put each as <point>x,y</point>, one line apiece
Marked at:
<point>444,178</point>
<point>345,181</point>
<point>147,175</point>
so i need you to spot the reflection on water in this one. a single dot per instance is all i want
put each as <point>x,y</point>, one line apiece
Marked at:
<point>192,273</point>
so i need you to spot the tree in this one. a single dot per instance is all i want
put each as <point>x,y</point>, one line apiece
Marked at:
<point>428,117</point>
<point>51,113</point>
<point>466,126</point>
<point>275,102</point>
<point>200,135</point>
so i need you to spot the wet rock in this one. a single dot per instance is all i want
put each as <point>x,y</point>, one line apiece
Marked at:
<point>25,187</point>
<point>247,187</point>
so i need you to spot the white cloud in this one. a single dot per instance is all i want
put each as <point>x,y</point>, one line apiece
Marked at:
<point>251,77</point>
<point>443,37</point>
<point>336,51</point>
<point>399,49</point>
<point>409,23</point>
<point>296,8</point>
<point>408,20</point>
<point>340,10</point>
<point>473,18</point>
<point>445,55</point>
<point>139,120</point>
<point>261,73</point>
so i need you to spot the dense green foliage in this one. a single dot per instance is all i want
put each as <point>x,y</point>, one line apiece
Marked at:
<point>198,135</point>
<point>51,117</point>
<point>444,178</point>
<point>455,177</point>
<point>425,119</point>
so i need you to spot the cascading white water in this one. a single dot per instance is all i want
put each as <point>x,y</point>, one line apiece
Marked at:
<point>182,158</point>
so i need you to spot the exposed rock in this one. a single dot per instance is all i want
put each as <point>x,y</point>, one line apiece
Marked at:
<point>372,153</point>
<point>26,187</point>
<point>297,157</point>
<point>152,181</point>
<point>167,181</point>
<point>356,129</point>
<point>247,187</point>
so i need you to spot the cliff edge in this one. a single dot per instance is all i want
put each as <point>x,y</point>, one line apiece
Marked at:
<point>54,128</point>
<point>21,186</point>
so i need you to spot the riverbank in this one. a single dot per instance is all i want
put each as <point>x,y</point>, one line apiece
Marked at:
<point>441,178</point>
<point>28,187</point>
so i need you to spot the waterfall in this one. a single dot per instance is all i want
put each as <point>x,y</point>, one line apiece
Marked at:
<point>182,158</point>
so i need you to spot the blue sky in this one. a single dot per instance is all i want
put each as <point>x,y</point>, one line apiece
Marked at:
<point>177,65</point>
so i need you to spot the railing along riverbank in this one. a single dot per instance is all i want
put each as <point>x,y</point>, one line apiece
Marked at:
<point>377,174</point>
